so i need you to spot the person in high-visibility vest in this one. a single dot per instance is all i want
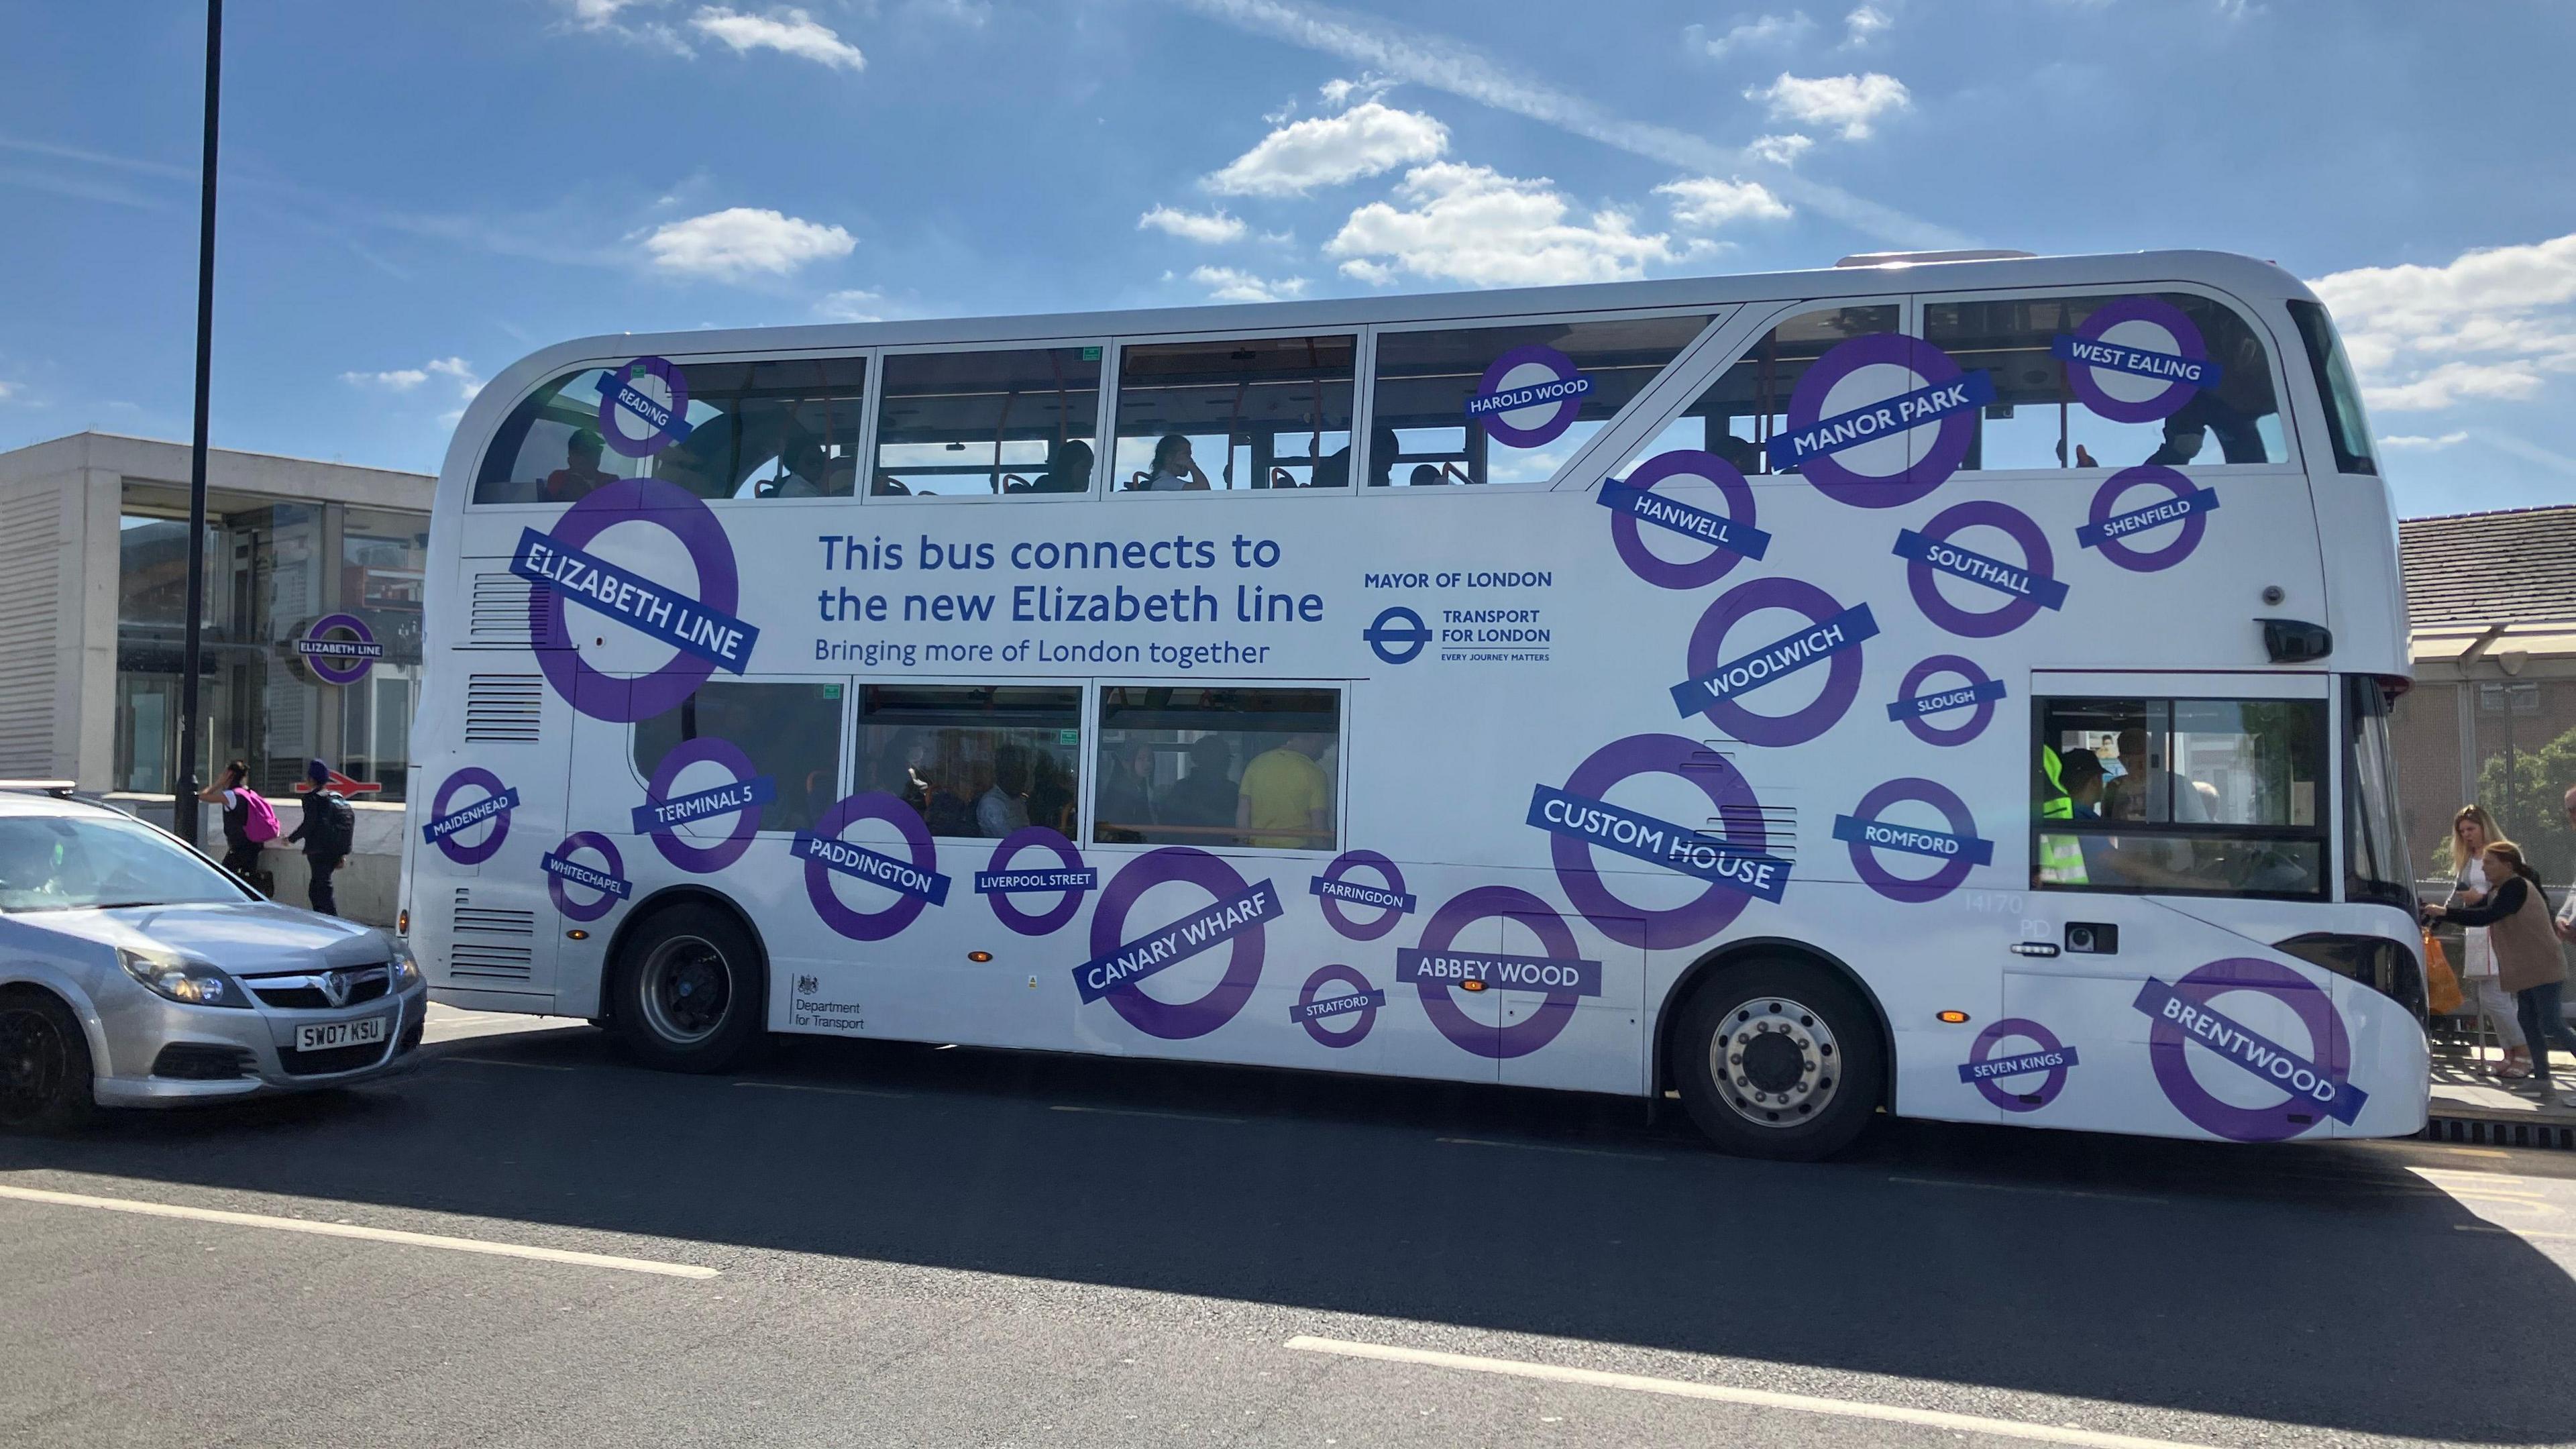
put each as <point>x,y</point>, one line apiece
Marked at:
<point>2061,857</point>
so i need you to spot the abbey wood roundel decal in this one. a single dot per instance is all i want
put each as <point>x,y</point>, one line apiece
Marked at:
<point>1930,556</point>
<point>340,661</point>
<point>607,880</point>
<point>1337,1006</point>
<point>446,824</point>
<point>746,797</point>
<point>915,879</point>
<point>1737,869</point>
<point>1437,967</point>
<point>2110,530</point>
<point>703,629</point>
<point>1959,849</point>
<point>1988,1067</point>
<point>644,406</point>
<point>1069,880</point>
<point>1731,536</point>
<point>1529,397</point>
<point>1234,919</point>
<point>1916,705</point>
<point>2313,1086</point>
<point>1719,681</point>
<point>2136,360</point>
<point>1916,387</point>
<point>1335,886</point>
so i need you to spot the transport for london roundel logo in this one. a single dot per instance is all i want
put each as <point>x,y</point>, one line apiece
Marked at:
<point>2280,1089</point>
<point>1398,635</point>
<point>699,624</point>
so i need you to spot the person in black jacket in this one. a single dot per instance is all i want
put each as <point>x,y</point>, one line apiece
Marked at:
<point>325,833</point>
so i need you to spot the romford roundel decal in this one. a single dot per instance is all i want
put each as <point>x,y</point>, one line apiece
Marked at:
<point>340,660</point>
<point>1730,536</point>
<point>1069,880</point>
<point>606,881</point>
<point>1438,967</point>
<point>447,826</point>
<point>1919,702</point>
<point>2110,528</point>
<point>1880,421</point>
<point>1120,964</point>
<point>2192,1022</point>
<point>1722,678</point>
<point>746,797</point>
<point>644,406</point>
<point>1931,556</point>
<point>1737,869</point>
<point>1959,849</point>
<point>1529,397</point>
<point>702,628</point>
<point>913,877</point>
<point>2136,360</point>
<point>1337,1006</point>
<point>1335,886</point>
<point>2015,1050</point>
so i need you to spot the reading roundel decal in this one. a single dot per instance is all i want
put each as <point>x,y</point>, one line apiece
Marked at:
<point>1529,397</point>
<point>702,629</point>
<point>2109,529</point>
<point>1437,967</point>
<point>644,406</point>
<point>1721,678</point>
<point>1880,421</point>
<point>1730,536</point>
<point>2136,360</point>
<point>1234,920</point>
<point>2309,1079</point>
<point>913,877</point>
<point>1736,869</point>
<point>1930,556</point>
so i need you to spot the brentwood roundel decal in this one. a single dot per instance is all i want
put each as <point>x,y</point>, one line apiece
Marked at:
<point>1335,886</point>
<point>1337,1006</point>
<point>644,406</point>
<point>2110,530</point>
<point>914,878</point>
<point>1737,869</point>
<point>446,824</point>
<point>1731,536</point>
<point>340,661</point>
<point>1719,683</point>
<point>1916,705</point>
<point>1529,397</point>
<point>746,797</point>
<point>2312,1084</point>
<point>1931,556</point>
<point>1989,1066</point>
<point>1234,920</point>
<point>1880,421</point>
<point>607,879</point>
<point>1437,967</point>
<point>1070,880</point>
<point>702,628</point>
<point>2136,360</point>
<point>1959,849</point>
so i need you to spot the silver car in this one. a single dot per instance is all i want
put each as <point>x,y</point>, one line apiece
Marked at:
<point>135,972</point>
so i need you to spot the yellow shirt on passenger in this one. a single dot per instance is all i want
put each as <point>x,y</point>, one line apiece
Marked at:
<point>1285,789</point>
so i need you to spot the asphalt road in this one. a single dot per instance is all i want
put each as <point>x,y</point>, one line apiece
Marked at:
<point>899,1245</point>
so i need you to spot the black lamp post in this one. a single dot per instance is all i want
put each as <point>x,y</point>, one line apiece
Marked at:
<point>183,804</point>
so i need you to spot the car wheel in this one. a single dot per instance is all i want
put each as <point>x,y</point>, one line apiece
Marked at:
<point>1779,1059</point>
<point>45,1083</point>
<point>691,991</point>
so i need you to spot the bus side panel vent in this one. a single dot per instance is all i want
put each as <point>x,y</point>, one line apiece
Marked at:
<point>490,943</point>
<point>504,709</point>
<point>499,619</point>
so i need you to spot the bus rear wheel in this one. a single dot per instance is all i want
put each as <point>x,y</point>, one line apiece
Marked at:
<point>691,991</point>
<point>1779,1059</point>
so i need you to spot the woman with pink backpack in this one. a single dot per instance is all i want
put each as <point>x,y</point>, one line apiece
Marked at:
<point>249,823</point>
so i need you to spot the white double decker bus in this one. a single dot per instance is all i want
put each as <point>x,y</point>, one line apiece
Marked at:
<point>1952,687</point>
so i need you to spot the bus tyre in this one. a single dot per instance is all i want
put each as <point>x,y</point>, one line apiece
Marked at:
<point>691,991</point>
<point>1779,1059</point>
<point>45,1079</point>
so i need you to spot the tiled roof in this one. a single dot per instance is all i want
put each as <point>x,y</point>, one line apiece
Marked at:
<point>2506,567</point>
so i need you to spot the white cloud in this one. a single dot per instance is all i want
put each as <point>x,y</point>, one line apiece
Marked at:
<point>1864,25</point>
<point>405,379</point>
<point>851,305</point>
<point>789,31</point>
<point>1708,203</point>
<point>1210,227</point>
<point>8,390</point>
<point>1228,284</point>
<point>459,371</point>
<point>599,14</point>
<point>1340,94</point>
<point>400,379</point>
<point>734,243</point>
<point>603,17</point>
<point>1365,140</point>
<point>2491,324</point>
<point>1472,224</point>
<point>1780,150</point>
<point>1852,102</point>
<point>2404,441</point>
<point>1376,274</point>
<point>1768,32</point>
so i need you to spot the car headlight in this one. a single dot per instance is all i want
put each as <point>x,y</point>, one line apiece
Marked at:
<point>176,978</point>
<point>406,970</point>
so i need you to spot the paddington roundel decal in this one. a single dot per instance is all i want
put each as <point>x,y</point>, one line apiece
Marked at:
<point>700,628</point>
<point>1958,849</point>
<point>1529,397</point>
<point>1389,903</point>
<point>1736,868</point>
<point>1721,679</point>
<point>1438,967</point>
<point>644,406</point>
<point>2018,1065</point>
<point>1068,880</point>
<point>745,798</point>
<point>565,874</point>
<point>2110,528</point>
<point>2136,360</point>
<point>1880,421</point>
<point>1933,713</point>
<point>1730,536</point>
<point>1337,1006</point>
<point>1121,964</point>
<point>912,877</point>
<point>489,813</point>
<point>2028,585</point>
<point>2196,1029</point>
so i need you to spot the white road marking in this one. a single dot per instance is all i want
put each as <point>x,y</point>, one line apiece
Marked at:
<point>351,1230</point>
<point>1135,1112</point>
<point>1548,1147</point>
<point>2019,1187</point>
<point>1752,1398</point>
<point>835,1091</point>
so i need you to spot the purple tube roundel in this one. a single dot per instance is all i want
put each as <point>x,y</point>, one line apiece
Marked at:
<point>1722,676</point>
<point>685,517</point>
<point>2158,364</point>
<point>1073,873</point>
<point>1178,1020</point>
<point>1730,800</point>
<point>827,903</point>
<point>1930,556</point>
<point>1823,447</point>
<point>705,860</point>
<point>444,835</point>
<point>2193,1013</point>
<point>1732,538</point>
<point>1441,933</point>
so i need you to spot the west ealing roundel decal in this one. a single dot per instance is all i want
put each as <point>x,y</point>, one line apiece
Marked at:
<point>2136,360</point>
<point>607,879</point>
<point>2311,1082</point>
<point>1069,880</point>
<point>1736,869</point>
<point>703,629</point>
<point>2109,528</point>
<point>745,797</point>
<point>1917,705</point>
<point>1337,1006</point>
<point>644,406</point>
<point>1959,849</point>
<point>1880,421</point>
<point>1529,397</point>
<point>1721,678</point>
<point>914,877</point>
<point>1989,1066</point>
<point>1437,967</point>
<point>1931,557</point>
<point>1335,886</point>
<point>448,820</point>
<point>340,661</point>
<point>1730,536</point>
<point>1233,920</point>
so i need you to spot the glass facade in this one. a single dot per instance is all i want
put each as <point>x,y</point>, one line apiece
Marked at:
<point>273,570</point>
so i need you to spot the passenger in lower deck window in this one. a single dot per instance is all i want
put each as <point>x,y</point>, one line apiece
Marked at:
<point>1286,799</point>
<point>1126,803</point>
<point>1202,802</point>
<point>1425,476</point>
<point>1004,805</point>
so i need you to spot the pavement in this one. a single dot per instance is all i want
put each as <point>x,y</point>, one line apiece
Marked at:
<point>529,1241</point>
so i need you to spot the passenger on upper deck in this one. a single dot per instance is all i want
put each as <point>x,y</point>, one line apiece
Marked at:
<point>807,463</point>
<point>581,471</point>
<point>2184,439</point>
<point>1174,470</point>
<point>1068,471</point>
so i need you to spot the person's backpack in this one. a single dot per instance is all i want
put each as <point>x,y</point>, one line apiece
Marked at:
<point>259,822</point>
<point>335,824</point>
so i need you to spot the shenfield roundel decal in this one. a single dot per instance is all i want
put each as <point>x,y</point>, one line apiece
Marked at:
<point>2193,1020</point>
<point>1730,536</point>
<point>1959,849</point>
<point>2028,585</point>
<point>488,812</point>
<point>1437,967</point>
<point>701,628</point>
<point>2136,360</point>
<point>1880,421</point>
<point>1735,869</point>
<point>2177,520</point>
<point>1724,675</point>
<point>1529,397</point>
<point>912,877</point>
<point>1121,964</point>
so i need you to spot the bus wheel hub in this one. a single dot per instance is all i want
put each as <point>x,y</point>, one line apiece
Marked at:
<point>1774,1062</point>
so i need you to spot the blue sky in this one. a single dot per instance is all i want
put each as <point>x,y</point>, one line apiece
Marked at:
<point>417,194</point>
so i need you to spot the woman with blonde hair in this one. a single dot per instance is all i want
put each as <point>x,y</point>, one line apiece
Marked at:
<point>2471,832</point>
<point>2526,951</point>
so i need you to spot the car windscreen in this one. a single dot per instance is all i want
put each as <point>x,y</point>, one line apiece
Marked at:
<point>51,863</point>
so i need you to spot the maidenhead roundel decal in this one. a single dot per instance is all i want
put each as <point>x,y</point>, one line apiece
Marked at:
<point>2018,1065</point>
<point>1529,397</point>
<point>1958,849</point>
<point>1120,963</point>
<point>1931,556</point>
<point>2136,360</point>
<point>1438,967</point>
<point>487,815</point>
<point>2195,1021</point>
<point>913,878</point>
<point>2178,520</point>
<point>1723,674</point>
<point>701,627</point>
<point>1730,536</point>
<point>1737,868</point>
<point>1880,421</point>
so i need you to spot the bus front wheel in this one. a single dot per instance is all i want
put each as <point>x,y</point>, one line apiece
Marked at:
<point>690,993</point>
<point>1779,1059</point>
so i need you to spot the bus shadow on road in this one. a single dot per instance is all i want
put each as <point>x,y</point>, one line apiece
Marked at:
<point>2303,1284</point>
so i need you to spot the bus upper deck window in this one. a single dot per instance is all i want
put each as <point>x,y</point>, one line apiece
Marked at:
<point>1254,412</point>
<point>987,423</point>
<point>771,429</point>
<point>1430,429</point>
<point>1735,415</point>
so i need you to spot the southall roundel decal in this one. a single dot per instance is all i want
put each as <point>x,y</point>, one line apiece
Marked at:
<point>1120,964</point>
<point>450,822</point>
<point>701,628</point>
<point>1069,880</point>
<point>2006,1059</point>
<point>1880,421</point>
<point>1337,1006</point>
<point>1959,849</point>
<point>1730,536</point>
<point>1335,886</point>
<point>913,877</point>
<point>2028,585</point>
<point>1529,397</point>
<point>606,881</point>
<point>2136,360</point>
<point>1736,868</point>
<point>644,406</point>
<point>1919,702</point>
<point>2110,528</point>
<point>1438,967</point>
<point>2192,1022</point>
<point>745,797</point>
<point>1722,678</point>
